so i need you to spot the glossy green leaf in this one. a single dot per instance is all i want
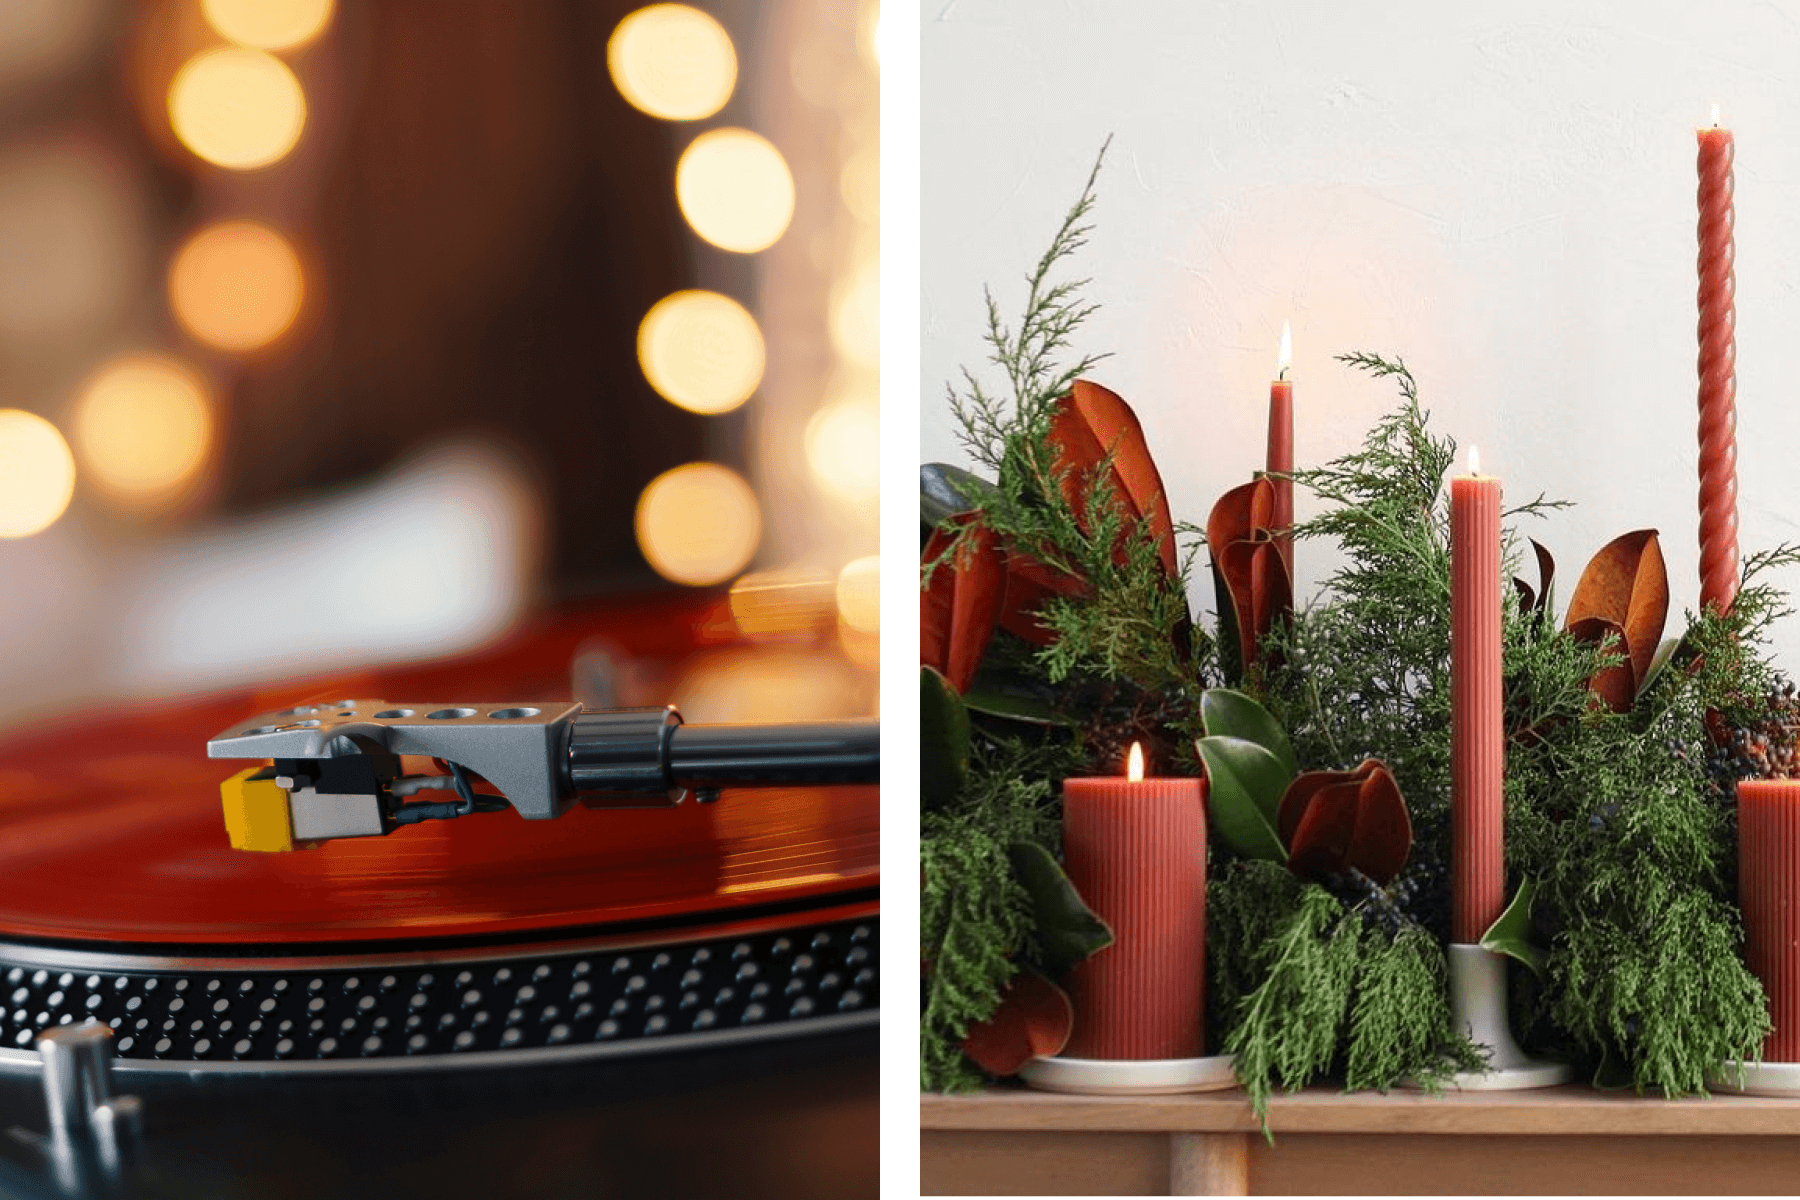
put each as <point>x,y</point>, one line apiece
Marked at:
<point>1067,928</point>
<point>1226,713</point>
<point>997,691</point>
<point>1511,934</point>
<point>945,490</point>
<point>943,740</point>
<point>1243,795</point>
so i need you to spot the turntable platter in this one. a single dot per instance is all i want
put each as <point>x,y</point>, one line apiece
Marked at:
<point>110,828</point>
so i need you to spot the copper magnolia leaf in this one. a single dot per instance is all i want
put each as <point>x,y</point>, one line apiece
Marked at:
<point>1614,684</point>
<point>1332,820</point>
<point>1627,584</point>
<point>1029,583</point>
<point>1256,579</point>
<point>1034,1020</point>
<point>960,606</point>
<point>1248,566</point>
<point>1239,513</point>
<point>1092,426</point>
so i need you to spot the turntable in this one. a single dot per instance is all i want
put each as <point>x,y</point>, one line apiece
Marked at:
<point>441,945</point>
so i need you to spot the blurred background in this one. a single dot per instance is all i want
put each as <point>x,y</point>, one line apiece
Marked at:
<point>334,335</point>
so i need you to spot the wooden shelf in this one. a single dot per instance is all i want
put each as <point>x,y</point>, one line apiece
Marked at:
<point>1555,1140</point>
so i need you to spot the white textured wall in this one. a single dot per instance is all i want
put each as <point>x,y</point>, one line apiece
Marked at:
<point>1502,194</point>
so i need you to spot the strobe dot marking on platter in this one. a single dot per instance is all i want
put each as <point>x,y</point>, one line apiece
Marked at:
<point>280,1018</point>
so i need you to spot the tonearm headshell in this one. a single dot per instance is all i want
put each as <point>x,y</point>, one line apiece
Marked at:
<point>337,770</point>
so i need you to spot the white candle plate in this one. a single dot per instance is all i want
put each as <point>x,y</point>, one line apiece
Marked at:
<point>1130,1077</point>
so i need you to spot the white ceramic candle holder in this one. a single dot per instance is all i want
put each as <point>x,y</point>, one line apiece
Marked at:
<point>1478,1007</point>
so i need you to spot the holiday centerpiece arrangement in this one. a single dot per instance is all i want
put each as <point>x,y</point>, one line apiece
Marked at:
<point>1429,827</point>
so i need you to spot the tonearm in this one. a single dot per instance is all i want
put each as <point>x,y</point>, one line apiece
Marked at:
<point>337,770</point>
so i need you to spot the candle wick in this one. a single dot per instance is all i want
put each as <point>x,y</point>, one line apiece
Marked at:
<point>1282,377</point>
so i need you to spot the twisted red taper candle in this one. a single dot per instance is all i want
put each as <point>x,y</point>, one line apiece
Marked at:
<point>1718,375</point>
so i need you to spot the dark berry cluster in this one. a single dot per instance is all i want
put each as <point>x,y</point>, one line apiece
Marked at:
<point>1382,908</point>
<point>1769,749</point>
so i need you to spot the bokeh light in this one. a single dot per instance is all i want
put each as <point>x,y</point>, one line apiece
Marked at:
<point>843,448</point>
<point>268,24</point>
<point>859,594</point>
<point>672,61</point>
<point>37,473</point>
<point>143,425</point>
<point>856,314</point>
<point>701,351</point>
<point>735,190</point>
<point>698,523</point>
<point>236,285</point>
<point>782,603</point>
<point>237,108</point>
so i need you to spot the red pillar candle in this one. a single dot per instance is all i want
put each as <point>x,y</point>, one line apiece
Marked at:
<point>1281,452</point>
<point>1477,734</point>
<point>1718,373</point>
<point>1769,894</point>
<point>1135,850</point>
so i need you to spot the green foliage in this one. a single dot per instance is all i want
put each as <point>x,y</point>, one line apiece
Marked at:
<point>1302,985</point>
<point>975,918</point>
<point>1122,639</point>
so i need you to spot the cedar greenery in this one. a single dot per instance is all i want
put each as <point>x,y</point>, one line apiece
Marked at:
<point>1625,821</point>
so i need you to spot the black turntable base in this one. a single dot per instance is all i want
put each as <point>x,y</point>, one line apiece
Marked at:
<point>791,1118</point>
<point>608,1003</point>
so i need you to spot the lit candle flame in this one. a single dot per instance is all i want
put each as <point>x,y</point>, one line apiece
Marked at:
<point>1474,459</point>
<point>1134,765</point>
<point>1715,116</point>
<point>1287,351</point>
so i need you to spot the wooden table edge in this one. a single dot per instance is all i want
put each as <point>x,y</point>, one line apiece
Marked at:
<point>1569,1110</point>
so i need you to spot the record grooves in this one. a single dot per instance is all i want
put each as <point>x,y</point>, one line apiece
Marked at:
<point>469,942</point>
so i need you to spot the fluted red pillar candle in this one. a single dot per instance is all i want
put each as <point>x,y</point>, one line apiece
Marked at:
<point>1769,894</point>
<point>1136,853</point>
<point>1718,373</point>
<point>1477,732</point>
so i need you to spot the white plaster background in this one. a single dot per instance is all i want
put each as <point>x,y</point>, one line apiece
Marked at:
<point>1502,194</point>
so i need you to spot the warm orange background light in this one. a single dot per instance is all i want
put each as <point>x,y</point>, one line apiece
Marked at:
<point>672,61</point>
<point>237,108</point>
<point>698,523</point>
<point>735,189</point>
<point>268,24</point>
<point>236,285</point>
<point>37,473</point>
<point>143,425</point>
<point>701,351</point>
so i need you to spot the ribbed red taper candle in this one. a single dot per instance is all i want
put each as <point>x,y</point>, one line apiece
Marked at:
<point>1477,735</point>
<point>1769,894</point>
<point>1281,465</point>
<point>1718,374</point>
<point>1136,853</point>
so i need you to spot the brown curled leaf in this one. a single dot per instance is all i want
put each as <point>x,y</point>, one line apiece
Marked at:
<point>1626,585</point>
<point>1029,584</point>
<point>1247,562</point>
<point>1092,425</point>
<point>1333,820</point>
<point>960,607</point>
<point>1616,685</point>
<point>1034,1020</point>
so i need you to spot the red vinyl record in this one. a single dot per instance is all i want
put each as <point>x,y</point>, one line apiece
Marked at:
<point>111,829</point>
